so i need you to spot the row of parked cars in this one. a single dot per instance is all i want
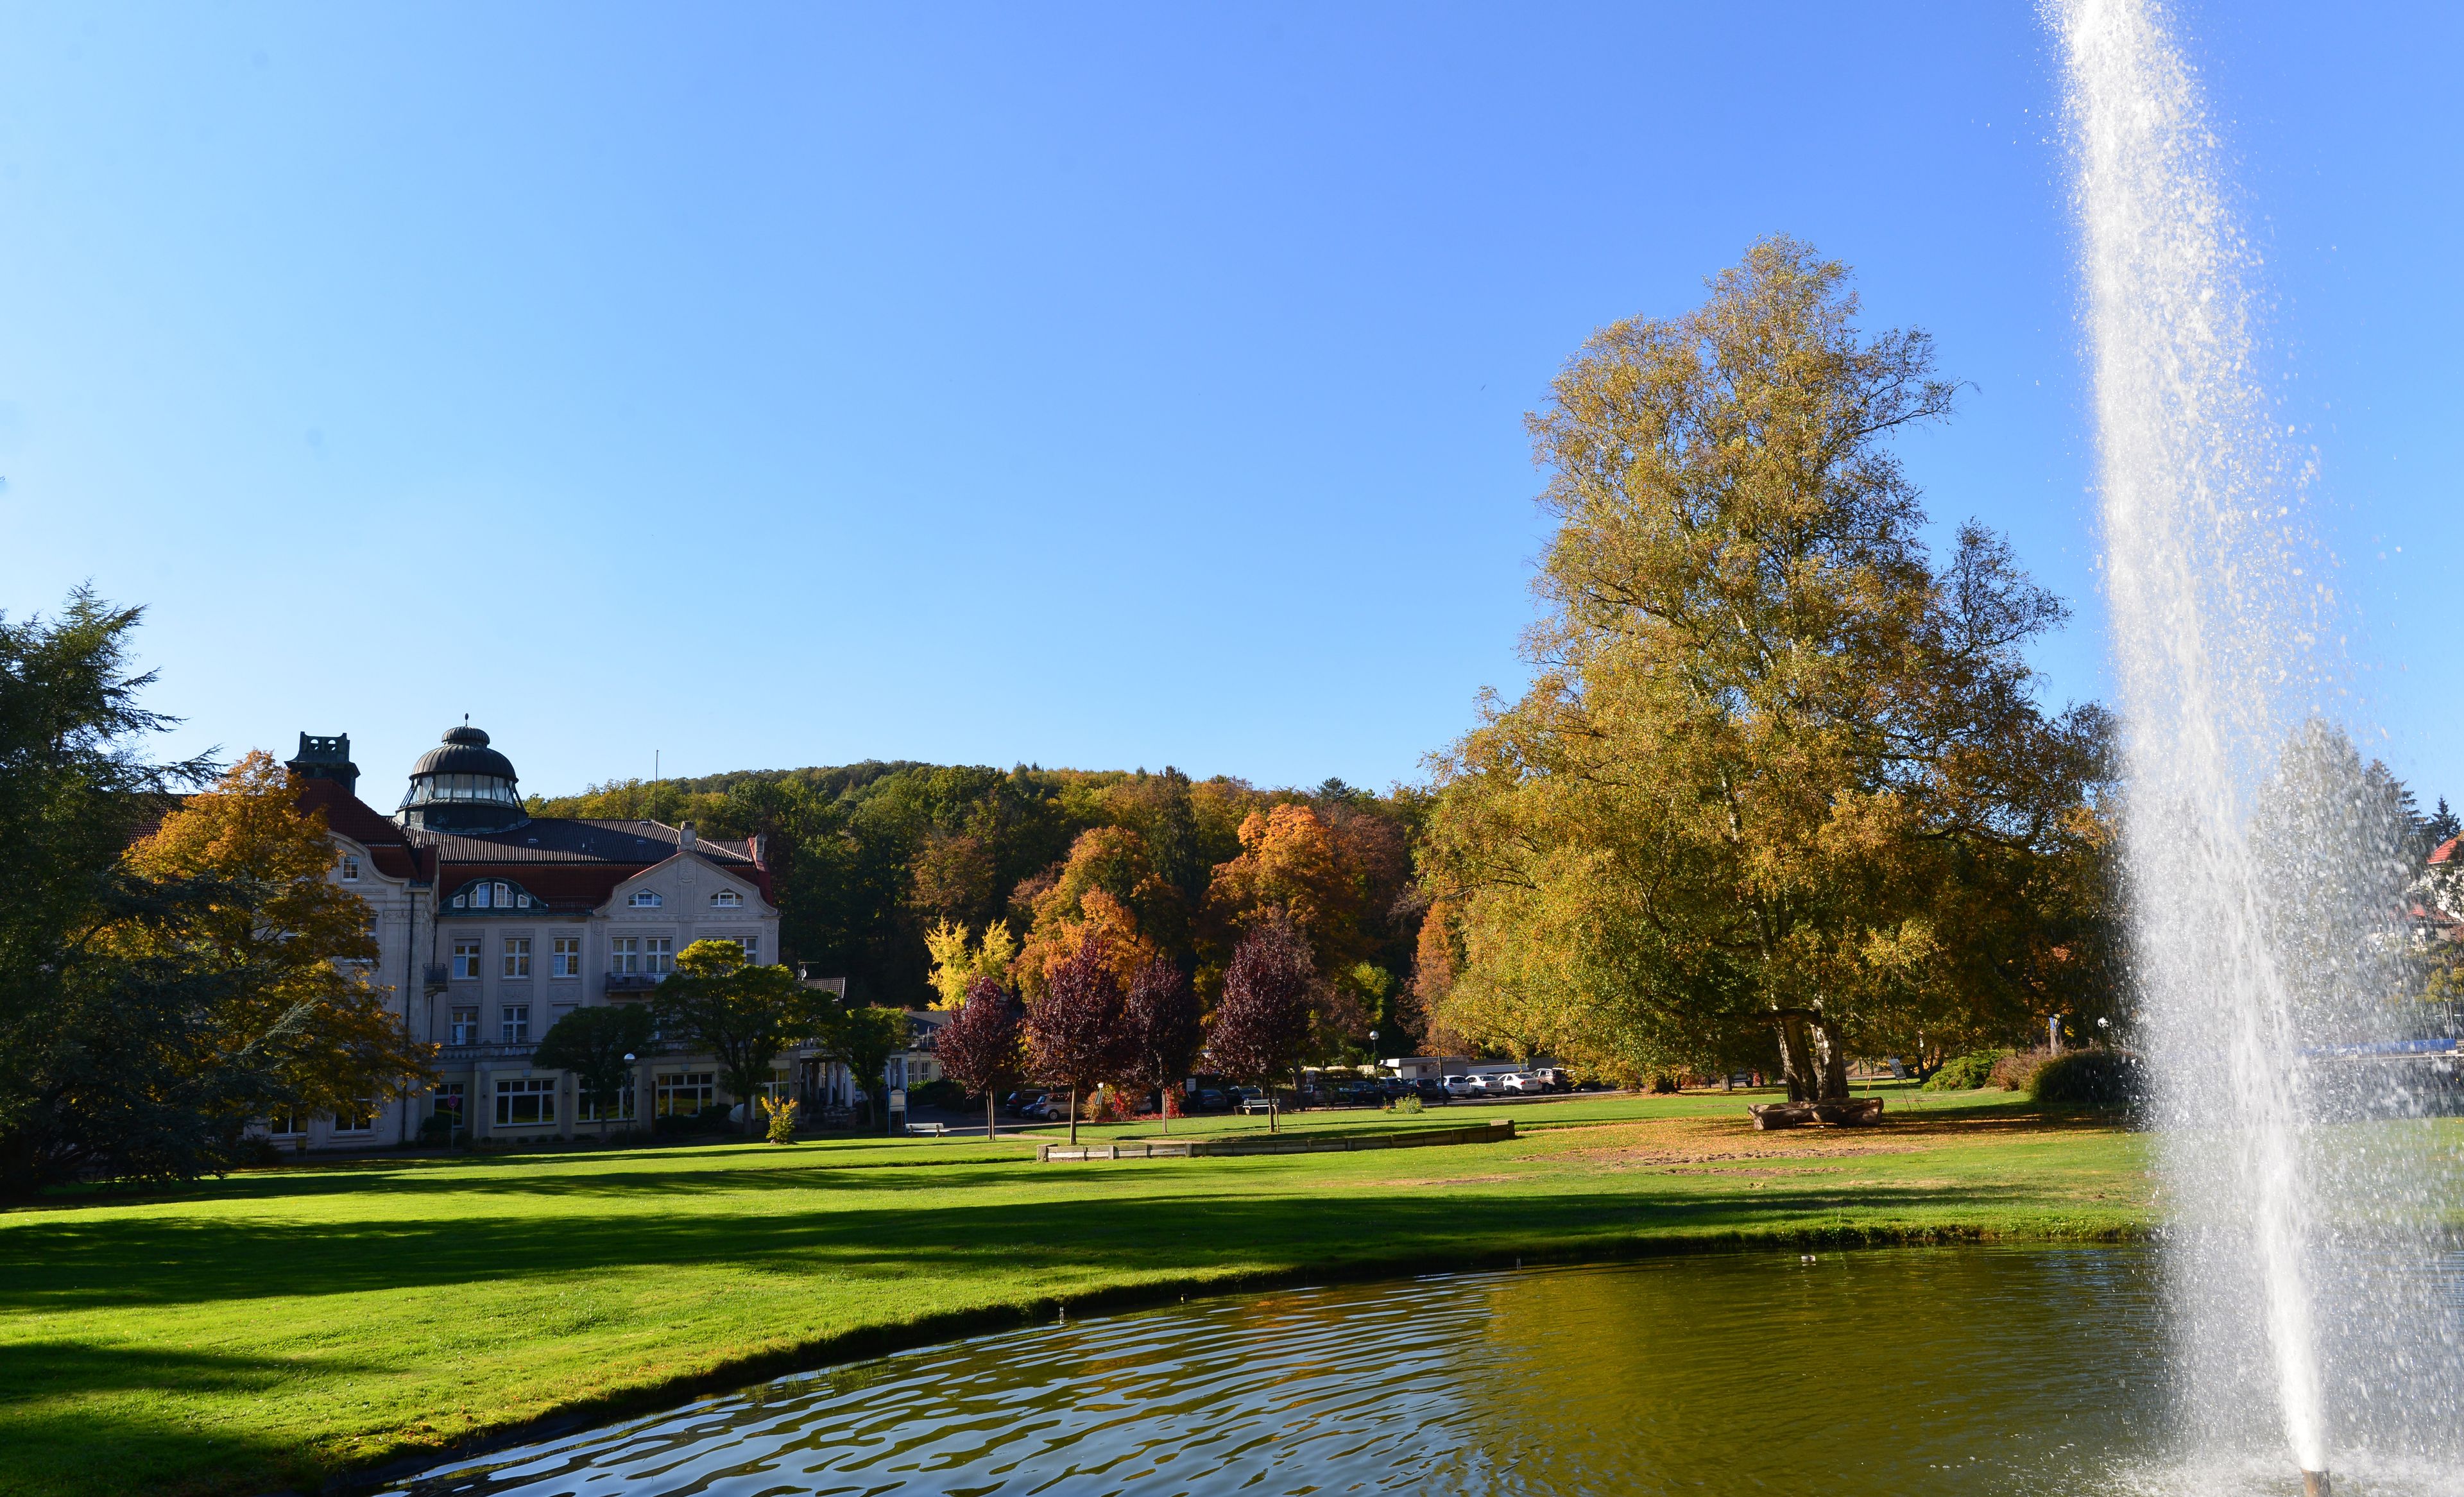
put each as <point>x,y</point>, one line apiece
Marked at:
<point>1053,1107</point>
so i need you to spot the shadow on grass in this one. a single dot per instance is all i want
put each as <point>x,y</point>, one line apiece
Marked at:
<point>1140,1225</point>
<point>63,1437</point>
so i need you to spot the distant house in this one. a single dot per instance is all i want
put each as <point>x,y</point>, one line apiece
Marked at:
<point>2437,897</point>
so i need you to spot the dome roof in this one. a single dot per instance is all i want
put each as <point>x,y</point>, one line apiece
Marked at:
<point>465,751</point>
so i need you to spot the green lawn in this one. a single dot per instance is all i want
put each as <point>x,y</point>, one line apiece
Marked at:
<point>278,1326</point>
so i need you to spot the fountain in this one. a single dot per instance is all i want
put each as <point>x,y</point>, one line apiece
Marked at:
<point>2264,876</point>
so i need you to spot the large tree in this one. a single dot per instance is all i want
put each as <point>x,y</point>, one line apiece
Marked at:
<point>599,1044</point>
<point>982,1047</point>
<point>289,949</point>
<point>1779,772</point>
<point>1263,1022</point>
<point>1161,1023</point>
<point>744,1014</point>
<point>1074,1034</point>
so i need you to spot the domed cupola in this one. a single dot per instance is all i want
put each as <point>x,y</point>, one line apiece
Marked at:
<point>463,786</point>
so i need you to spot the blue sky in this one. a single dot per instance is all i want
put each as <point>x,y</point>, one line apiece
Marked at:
<point>1105,386</point>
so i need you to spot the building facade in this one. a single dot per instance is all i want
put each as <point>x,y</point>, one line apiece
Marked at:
<point>492,924</point>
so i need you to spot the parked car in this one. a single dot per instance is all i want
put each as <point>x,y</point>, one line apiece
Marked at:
<point>1429,1090</point>
<point>1361,1093</point>
<point>1208,1099</point>
<point>1465,1086</point>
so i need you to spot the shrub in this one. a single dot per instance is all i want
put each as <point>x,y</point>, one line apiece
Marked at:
<point>2018,1072</point>
<point>782,1121</point>
<point>941,1092</point>
<point>2106,1080</point>
<point>1664,1084</point>
<point>1408,1102</point>
<point>1967,1072</point>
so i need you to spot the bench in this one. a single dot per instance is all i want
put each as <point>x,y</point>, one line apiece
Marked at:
<point>1257,1105</point>
<point>924,1130</point>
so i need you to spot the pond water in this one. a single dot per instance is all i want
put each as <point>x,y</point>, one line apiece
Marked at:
<point>1900,1372</point>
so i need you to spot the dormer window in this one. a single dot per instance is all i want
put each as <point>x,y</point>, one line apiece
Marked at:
<point>350,867</point>
<point>494,894</point>
<point>645,899</point>
<point>727,899</point>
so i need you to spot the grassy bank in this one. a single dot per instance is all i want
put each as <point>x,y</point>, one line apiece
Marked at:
<point>277,1327</point>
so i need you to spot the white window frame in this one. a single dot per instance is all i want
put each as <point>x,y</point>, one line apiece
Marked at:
<point>513,1023</point>
<point>462,1023</point>
<point>538,1090</point>
<point>288,1122</point>
<point>564,956</point>
<point>625,1106</point>
<point>350,867</point>
<point>466,959</point>
<point>658,954</point>
<point>700,1084</point>
<point>623,955</point>
<point>358,1118</point>
<point>517,956</point>
<point>646,899</point>
<point>727,899</point>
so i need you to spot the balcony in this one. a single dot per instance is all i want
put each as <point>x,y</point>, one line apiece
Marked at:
<point>467,1054</point>
<point>633,981</point>
<point>437,977</point>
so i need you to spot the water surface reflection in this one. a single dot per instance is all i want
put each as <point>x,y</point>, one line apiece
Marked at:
<point>1910,1371</point>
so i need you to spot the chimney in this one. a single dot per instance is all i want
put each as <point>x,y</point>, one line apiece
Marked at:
<point>759,846</point>
<point>687,839</point>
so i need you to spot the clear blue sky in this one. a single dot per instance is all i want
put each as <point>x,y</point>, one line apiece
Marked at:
<point>1105,386</point>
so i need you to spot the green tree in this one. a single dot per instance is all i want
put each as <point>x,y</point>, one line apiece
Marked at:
<point>744,1014</point>
<point>98,1043</point>
<point>1778,773</point>
<point>863,1039</point>
<point>600,1045</point>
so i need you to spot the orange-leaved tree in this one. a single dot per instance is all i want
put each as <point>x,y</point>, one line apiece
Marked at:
<point>289,951</point>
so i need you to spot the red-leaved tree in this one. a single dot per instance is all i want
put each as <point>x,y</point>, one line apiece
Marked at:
<point>982,1047</point>
<point>1263,1022</point>
<point>1159,1019</point>
<point>1073,1034</point>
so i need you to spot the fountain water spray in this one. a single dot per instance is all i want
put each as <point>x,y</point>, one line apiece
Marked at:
<point>2263,879</point>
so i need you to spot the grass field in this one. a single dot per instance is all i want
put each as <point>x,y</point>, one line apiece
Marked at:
<point>281,1327</point>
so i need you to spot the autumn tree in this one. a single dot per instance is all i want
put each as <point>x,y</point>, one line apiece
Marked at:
<point>959,958</point>
<point>982,1047</point>
<point>1075,1032</point>
<point>1779,773</point>
<point>1161,1030</point>
<point>289,949</point>
<point>1262,1020</point>
<point>1106,889</point>
<point>744,1014</point>
<point>599,1044</point>
<point>863,1038</point>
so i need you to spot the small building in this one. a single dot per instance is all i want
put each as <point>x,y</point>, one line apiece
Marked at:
<point>1424,1067</point>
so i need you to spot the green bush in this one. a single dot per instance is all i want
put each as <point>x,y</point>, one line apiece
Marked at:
<point>1408,1102</point>
<point>1966,1072</point>
<point>2106,1080</point>
<point>941,1092</point>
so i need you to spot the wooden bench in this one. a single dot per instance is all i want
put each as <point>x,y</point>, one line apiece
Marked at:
<point>1257,1103</point>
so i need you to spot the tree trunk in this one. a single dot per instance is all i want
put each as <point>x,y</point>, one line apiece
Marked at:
<point>990,1131</point>
<point>1796,1058</point>
<point>1832,1055</point>
<point>1073,1115</point>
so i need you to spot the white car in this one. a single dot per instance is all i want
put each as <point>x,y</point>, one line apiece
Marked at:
<point>1521,1081</point>
<point>1464,1085</point>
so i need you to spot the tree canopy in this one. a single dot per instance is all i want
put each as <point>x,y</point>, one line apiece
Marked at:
<point>1779,770</point>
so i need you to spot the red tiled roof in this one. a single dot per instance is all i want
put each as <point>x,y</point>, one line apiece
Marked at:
<point>2445,851</point>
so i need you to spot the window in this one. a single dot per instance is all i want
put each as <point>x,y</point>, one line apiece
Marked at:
<point>513,1023</point>
<point>493,895</point>
<point>357,1117</point>
<point>524,1100</point>
<point>466,962</point>
<point>564,956</point>
<point>289,1123</point>
<point>517,956</point>
<point>727,899</point>
<point>464,1027</point>
<point>625,954</point>
<point>448,1100</point>
<point>645,899</point>
<point>752,945</point>
<point>350,867</point>
<point>621,1112</point>
<point>658,953</point>
<point>684,1093</point>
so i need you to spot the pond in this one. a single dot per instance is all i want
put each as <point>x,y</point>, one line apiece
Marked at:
<point>1900,1372</point>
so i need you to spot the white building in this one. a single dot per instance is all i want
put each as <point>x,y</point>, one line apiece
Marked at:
<point>491,924</point>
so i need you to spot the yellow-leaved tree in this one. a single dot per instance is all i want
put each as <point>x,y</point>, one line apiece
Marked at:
<point>959,959</point>
<point>288,952</point>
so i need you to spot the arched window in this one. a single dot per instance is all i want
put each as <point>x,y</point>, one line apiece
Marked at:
<point>727,899</point>
<point>646,899</point>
